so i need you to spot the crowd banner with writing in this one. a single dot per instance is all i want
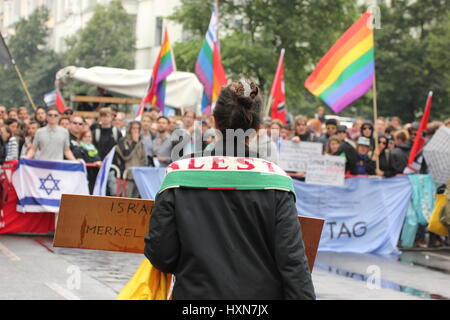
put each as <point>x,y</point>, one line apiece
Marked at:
<point>40,184</point>
<point>326,170</point>
<point>294,156</point>
<point>364,216</point>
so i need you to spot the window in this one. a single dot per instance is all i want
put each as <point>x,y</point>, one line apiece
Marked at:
<point>158,31</point>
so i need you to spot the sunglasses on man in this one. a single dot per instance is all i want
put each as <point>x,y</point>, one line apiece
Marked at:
<point>331,127</point>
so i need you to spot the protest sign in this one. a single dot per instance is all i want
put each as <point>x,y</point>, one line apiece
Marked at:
<point>294,156</point>
<point>120,224</point>
<point>103,223</point>
<point>326,170</point>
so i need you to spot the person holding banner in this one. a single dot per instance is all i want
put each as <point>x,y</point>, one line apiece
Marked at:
<point>364,165</point>
<point>226,226</point>
<point>384,155</point>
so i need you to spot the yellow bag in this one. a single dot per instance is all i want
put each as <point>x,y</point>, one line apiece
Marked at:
<point>148,283</point>
<point>435,225</point>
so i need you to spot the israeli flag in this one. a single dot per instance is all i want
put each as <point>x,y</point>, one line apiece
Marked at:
<point>102,176</point>
<point>40,184</point>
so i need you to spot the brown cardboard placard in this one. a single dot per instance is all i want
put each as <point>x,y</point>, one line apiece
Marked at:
<point>102,223</point>
<point>120,224</point>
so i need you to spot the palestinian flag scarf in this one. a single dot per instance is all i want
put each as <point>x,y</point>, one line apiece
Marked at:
<point>226,173</point>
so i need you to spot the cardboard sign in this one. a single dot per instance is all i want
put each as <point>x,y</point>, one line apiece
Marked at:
<point>294,156</point>
<point>102,223</point>
<point>120,224</point>
<point>326,170</point>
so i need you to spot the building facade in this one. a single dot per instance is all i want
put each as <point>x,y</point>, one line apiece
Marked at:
<point>69,16</point>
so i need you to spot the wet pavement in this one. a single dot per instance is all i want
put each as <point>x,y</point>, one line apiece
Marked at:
<point>31,268</point>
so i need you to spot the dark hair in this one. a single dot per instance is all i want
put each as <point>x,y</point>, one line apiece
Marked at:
<point>238,107</point>
<point>331,122</point>
<point>163,117</point>
<point>11,121</point>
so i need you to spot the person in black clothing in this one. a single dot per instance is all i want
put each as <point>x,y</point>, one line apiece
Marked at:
<point>105,136</point>
<point>331,127</point>
<point>400,154</point>
<point>364,165</point>
<point>367,131</point>
<point>385,159</point>
<point>229,244</point>
<point>75,129</point>
<point>301,131</point>
<point>348,150</point>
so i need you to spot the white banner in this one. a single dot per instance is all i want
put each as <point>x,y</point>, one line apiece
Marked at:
<point>294,156</point>
<point>326,170</point>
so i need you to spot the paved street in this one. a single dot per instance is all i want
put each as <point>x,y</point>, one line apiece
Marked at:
<point>31,268</point>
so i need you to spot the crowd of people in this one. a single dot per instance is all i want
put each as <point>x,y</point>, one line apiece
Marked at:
<point>49,135</point>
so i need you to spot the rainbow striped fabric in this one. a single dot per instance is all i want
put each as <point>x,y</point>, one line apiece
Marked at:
<point>208,68</point>
<point>347,71</point>
<point>163,67</point>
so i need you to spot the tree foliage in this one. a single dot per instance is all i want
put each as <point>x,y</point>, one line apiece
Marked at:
<point>412,58</point>
<point>411,48</point>
<point>108,40</point>
<point>37,63</point>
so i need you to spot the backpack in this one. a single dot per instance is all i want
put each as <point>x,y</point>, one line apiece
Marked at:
<point>98,132</point>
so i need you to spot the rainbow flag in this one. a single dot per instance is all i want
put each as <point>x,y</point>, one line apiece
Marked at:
<point>162,68</point>
<point>208,68</point>
<point>347,71</point>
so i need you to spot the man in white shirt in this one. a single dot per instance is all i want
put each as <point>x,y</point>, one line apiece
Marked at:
<point>52,141</point>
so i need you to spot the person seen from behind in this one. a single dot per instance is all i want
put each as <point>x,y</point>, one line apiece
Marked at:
<point>227,243</point>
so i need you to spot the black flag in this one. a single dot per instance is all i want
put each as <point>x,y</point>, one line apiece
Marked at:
<point>5,57</point>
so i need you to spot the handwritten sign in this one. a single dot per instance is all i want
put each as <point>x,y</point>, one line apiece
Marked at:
<point>120,224</point>
<point>103,223</point>
<point>326,170</point>
<point>294,156</point>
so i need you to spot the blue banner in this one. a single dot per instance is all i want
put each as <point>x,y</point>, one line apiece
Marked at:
<point>364,216</point>
<point>148,180</point>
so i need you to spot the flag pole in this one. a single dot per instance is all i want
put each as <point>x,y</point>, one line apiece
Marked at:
<point>375,117</point>
<point>374,99</point>
<point>24,85</point>
<point>16,68</point>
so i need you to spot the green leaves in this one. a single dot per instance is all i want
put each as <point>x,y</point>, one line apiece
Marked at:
<point>108,40</point>
<point>37,63</point>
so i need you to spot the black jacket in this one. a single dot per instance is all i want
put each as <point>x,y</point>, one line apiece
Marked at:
<point>386,163</point>
<point>351,157</point>
<point>229,244</point>
<point>400,157</point>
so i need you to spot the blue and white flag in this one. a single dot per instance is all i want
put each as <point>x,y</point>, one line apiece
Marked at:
<point>103,173</point>
<point>40,184</point>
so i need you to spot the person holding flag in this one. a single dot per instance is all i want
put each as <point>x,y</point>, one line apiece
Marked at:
<point>208,68</point>
<point>163,67</point>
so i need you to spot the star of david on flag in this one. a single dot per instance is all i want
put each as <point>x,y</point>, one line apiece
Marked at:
<point>45,186</point>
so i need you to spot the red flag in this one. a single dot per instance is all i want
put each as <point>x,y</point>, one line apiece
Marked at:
<point>419,140</point>
<point>277,93</point>
<point>60,102</point>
